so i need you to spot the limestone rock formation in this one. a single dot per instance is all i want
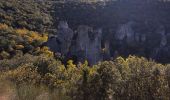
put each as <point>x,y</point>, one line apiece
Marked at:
<point>64,36</point>
<point>83,38</point>
<point>53,44</point>
<point>162,49</point>
<point>86,46</point>
<point>87,43</point>
<point>106,50</point>
<point>94,47</point>
<point>163,41</point>
<point>61,41</point>
<point>126,32</point>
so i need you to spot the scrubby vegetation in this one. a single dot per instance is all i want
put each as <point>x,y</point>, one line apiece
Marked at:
<point>30,14</point>
<point>132,78</point>
<point>18,41</point>
<point>30,71</point>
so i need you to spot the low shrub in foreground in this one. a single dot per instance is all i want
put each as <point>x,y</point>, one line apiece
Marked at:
<point>122,79</point>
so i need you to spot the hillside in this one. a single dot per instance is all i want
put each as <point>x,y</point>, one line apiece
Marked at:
<point>84,50</point>
<point>30,14</point>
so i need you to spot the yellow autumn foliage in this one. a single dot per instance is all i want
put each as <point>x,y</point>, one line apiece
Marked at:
<point>31,35</point>
<point>34,35</point>
<point>29,39</point>
<point>24,73</point>
<point>21,32</point>
<point>3,26</point>
<point>37,36</point>
<point>19,46</point>
<point>21,39</point>
<point>45,50</point>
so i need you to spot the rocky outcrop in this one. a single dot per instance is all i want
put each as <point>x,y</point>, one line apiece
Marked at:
<point>61,41</point>
<point>153,43</point>
<point>64,36</point>
<point>125,32</point>
<point>94,49</point>
<point>86,46</point>
<point>162,50</point>
<point>83,38</point>
<point>86,43</point>
<point>53,44</point>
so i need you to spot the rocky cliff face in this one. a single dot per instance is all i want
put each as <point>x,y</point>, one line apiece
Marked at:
<point>86,46</point>
<point>149,44</point>
<point>87,43</point>
<point>61,41</point>
<point>136,27</point>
